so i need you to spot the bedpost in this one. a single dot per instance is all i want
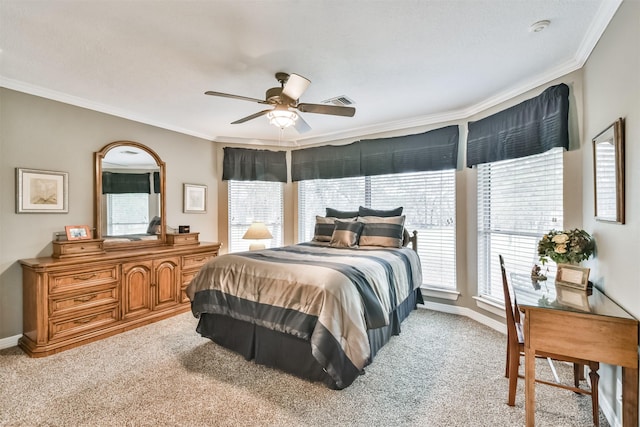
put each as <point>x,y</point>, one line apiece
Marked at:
<point>414,240</point>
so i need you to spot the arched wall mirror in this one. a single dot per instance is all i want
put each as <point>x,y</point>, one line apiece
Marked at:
<point>129,196</point>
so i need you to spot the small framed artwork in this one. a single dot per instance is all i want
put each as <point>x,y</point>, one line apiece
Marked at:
<point>195,198</point>
<point>608,173</point>
<point>78,232</point>
<point>572,276</point>
<point>41,191</point>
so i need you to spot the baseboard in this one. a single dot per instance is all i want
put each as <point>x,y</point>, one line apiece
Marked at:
<point>607,409</point>
<point>9,341</point>
<point>463,311</point>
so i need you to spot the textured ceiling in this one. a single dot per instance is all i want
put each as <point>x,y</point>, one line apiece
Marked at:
<point>405,63</point>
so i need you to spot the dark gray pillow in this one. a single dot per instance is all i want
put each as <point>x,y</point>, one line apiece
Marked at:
<point>346,234</point>
<point>362,211</point>
<point>335,213</point>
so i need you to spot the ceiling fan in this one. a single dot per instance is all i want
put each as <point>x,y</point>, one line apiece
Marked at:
<point>284,100</point>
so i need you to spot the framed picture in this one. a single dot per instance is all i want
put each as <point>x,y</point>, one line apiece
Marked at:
<point>78,232</point>
<point>41,191</point>
<point>572,276</point>
<point>195,198</point>
<point>608,173</point>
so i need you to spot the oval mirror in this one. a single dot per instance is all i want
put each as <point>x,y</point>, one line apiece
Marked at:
<point>129,196</point>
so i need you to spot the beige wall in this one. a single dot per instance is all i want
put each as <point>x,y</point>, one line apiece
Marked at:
<point>41,134</point>
<point>612,90</point>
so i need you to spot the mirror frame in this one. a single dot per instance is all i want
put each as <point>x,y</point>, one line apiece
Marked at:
<point>99,156</point>
<point>613,134</point>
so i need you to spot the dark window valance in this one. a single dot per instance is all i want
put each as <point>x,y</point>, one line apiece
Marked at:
<point>120,183</point>
<point>429,151</point>
<point>156,182</point>
<point>432,150</point>
<point>243,164</point>
<point>329,161</point>
<point>531,127</point>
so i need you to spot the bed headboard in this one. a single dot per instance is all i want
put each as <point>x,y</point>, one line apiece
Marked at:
<point>414,240</point>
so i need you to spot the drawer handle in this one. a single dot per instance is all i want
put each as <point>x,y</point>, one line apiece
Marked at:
<point>85,276</point>
<point>200,259</point>
<point>85,298</point>
<point>85,320</point>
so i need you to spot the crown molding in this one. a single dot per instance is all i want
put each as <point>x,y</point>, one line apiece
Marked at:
<point>601,20</point>
<point>91,105</point>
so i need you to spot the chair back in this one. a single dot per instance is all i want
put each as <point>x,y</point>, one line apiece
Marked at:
<point>511,309</point>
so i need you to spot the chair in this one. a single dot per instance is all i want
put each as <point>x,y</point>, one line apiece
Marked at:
<point>515,349</point>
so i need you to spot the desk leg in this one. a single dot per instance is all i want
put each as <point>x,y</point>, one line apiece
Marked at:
<point>629,397</point>
<point>530,385</point>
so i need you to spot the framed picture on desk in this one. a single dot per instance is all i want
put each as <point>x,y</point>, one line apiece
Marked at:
<point>572,276</point>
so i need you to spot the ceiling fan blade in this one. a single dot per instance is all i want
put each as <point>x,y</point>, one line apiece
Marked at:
<point>301,126</point>
<point>295,86</point>
<point>228,95</point>
<point>251,117</point>
<point>334,110</point>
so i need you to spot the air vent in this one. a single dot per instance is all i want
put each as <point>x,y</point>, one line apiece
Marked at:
<point>342,100</point>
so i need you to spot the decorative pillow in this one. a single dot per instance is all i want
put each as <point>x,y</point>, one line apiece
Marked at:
<point>335,213</point>
<point>382,231</point>
<point>362,211</point>
<point>346,234</point>
<point>324,228</point>
<point>154,225</point>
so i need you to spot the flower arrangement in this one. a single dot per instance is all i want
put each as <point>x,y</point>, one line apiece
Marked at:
<point>569,247</point>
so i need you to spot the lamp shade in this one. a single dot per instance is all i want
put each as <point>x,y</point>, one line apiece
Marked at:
<point>257,231</point>
<point>282,118</point>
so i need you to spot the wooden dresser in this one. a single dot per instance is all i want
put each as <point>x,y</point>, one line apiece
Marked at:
<point>70,301</point>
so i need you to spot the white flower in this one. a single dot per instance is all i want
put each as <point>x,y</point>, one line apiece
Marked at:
<point>561,249</point>
<point>560,239</point>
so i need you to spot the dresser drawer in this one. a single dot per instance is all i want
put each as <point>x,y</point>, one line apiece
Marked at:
<point>188,276</point>
<point>60,328</point>
<point>64,304</point>
<point>78,248</point>
<point>63,282</point>
<point>195,261</point>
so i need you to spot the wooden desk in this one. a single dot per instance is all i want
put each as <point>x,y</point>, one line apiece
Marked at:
<point>572,323</point>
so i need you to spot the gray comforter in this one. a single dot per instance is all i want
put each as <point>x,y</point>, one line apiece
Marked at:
<point>327,296</point>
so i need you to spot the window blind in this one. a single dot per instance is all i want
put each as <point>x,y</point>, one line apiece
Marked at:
<point>254,201</point>
<point>519,200</point>
<point>127,213</point>
<point>428,199</point>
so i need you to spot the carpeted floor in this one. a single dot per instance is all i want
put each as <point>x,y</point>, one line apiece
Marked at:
<point>443,370</point>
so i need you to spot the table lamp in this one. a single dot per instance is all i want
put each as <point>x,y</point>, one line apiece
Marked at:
<point>257,231</point>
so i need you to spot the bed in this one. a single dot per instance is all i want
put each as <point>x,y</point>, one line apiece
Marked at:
<point>313,310</point>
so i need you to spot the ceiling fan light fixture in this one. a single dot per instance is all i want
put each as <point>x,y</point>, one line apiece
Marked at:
<point>282,118</point>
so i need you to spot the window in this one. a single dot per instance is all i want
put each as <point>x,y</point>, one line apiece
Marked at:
<point>254,201</point>
<point>428,199</point>
<point>127,213</point>
<point>519,200</point>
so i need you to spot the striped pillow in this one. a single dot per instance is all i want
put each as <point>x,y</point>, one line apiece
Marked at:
<point>382,231</point>
<point>346,234</point>
<point>324,228</point>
